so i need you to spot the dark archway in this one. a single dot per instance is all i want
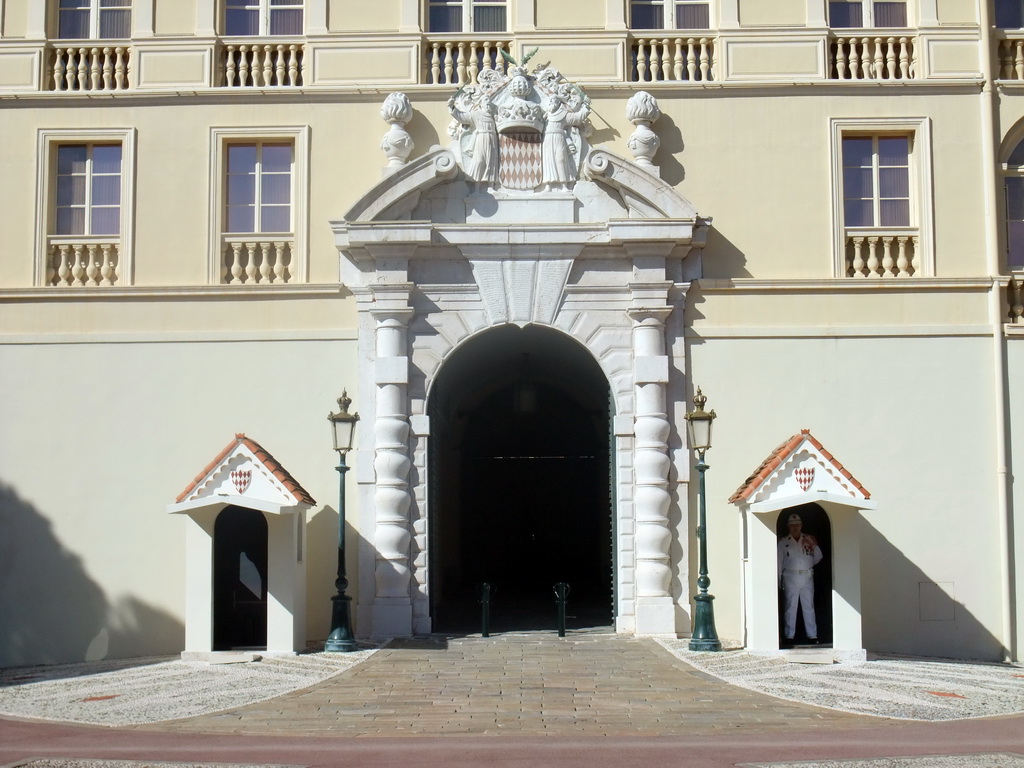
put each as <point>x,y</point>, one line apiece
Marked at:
<point>520,482</point>
<point>816,523</point>
<point>239,579</point>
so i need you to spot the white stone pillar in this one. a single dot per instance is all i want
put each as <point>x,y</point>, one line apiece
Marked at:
<point>392,606</point>
<point>655,612</point>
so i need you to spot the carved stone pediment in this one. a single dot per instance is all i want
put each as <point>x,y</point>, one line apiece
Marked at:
<point>520,130</point>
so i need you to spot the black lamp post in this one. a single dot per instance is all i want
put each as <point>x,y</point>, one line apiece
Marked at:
<point>705,637</point>
<point>343,425</point>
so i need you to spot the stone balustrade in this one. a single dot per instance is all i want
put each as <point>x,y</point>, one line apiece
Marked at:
<point>1010,56</point>
<point>261,65</point>
<point>83,261</point>
<point>882,253</point>
<point>460,62</point>
<point>672,59</point>
<point>90,68</point>
<point>250,261</point>
<point>1015,300</point>
<point>873,56</point>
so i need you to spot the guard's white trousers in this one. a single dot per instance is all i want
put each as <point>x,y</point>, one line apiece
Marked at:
<point>799,589</point>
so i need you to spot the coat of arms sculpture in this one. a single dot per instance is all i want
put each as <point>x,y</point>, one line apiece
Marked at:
<point>521,130</point>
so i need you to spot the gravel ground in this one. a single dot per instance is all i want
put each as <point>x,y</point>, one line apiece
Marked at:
<point>896,687</point>
<point>138,691</point>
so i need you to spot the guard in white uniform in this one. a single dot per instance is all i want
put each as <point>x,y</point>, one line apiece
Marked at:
<point>798,554</point>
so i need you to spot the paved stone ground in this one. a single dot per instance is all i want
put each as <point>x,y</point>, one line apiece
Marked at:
<point>523,684</point>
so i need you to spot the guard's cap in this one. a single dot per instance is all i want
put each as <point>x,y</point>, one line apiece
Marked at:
<point>795,518</point>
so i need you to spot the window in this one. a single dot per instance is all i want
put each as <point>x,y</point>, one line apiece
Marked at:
<point>871,14</point>
<point>669,14</point>
<point>1013,186</point>
<point>243,18</point>
<point>881,176</point>
<point>94,19</point>
<point>84,195</point>
<point>876,181</point>
<point>466,16</point>
<point>259,188</point>
<point>1009,14</point>
<point>88,190</point>
<point>258,229</point>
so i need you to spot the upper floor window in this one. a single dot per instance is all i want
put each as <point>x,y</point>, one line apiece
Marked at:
<point>859,14</point>
<point>1010,14</point>
<point>1013,186</point>
<point>876,181</point>
<point>88,189</point>
<point>466,16</point>
<point>259,187</point>
<point>669,14</point>
<point>263,17</point>
<point>94,19</point>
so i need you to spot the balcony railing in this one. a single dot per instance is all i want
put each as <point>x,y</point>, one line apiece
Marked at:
<point>460,62</point>
<point>873,55</point>
<point>678,58</point>
<point>252,64</point>
<point>257,259</point>
<point>1010,56</point>
<point>882,253</point>
<point>1015,300</point>
<point>90,67</point>
<point>83,261</point>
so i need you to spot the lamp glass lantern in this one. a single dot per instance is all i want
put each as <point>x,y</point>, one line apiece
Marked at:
<point>698,424</point>
<point>343,425</point>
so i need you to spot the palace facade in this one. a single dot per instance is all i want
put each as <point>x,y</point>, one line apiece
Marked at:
<point>526,237</point>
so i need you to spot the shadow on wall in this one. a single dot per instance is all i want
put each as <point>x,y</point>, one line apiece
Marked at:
<point>905,611</point>
<point>51,612</point>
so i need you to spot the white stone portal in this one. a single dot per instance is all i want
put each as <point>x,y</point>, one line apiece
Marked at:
<point>441,251</point>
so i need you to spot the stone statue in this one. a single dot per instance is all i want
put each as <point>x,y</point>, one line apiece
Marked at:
<point>559,164</point>
<point>483,162</point>
<point>397,143</point>
<point>642,110</point>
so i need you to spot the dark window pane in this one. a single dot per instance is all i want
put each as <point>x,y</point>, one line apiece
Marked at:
<point>106,158</point>
<point>857,213</point>
<point>894,213</point>
<point>693,16</point>
<point>275,188</point>
<point>488,19</point>
<point>71,159</point>
<point>70,190</point>
<point>106,190</point>
<point>646,16</point>
<point>445,18</point>
<point>106,221</point>
<point>890,14</point>
<point>241,218</point>
<point>893,182</point>
<point>1015,243</point>
<point>1008,14</point>
<point>241,189</point>
<point>1015,198</point>
<point>841,14</point>
<point>275,218</point>
<point>1017,156</point>
<point>115,24</point>
<point>239,21</point>
<point>857,152</point>
<point>73,25</point>
<point>70,221</point>
<point>242,158</point>
<point>857,183</point>
<point>893,150</point>
<point>286,21</point>
<point>277,158</point>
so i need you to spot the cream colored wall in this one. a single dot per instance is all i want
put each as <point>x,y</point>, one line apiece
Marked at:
<point>757,13</point>
<point>175,17</point>
<point>361,16</point>
<point>15,18</point>
<point>98,438</point>
<point>957,11</point>
<point>1015,407</point>
<point>878,405</point>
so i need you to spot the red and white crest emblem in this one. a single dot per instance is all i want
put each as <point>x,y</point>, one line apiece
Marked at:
<point>241,478</point>
<point>804,477</point>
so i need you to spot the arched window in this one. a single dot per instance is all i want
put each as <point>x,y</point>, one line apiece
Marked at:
<point>1013,186</point>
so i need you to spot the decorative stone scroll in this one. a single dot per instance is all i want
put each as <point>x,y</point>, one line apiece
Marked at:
<point>521,130</point>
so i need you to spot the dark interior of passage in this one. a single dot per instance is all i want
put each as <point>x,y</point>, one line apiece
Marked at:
<point>520,483</point>
<point>239,579</point>
<point>817,524</point>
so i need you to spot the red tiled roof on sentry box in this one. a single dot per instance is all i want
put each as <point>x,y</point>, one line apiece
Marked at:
<point>779,455</point>
<point>261,453</point>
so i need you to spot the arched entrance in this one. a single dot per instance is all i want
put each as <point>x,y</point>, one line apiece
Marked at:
<point>520,482</point>
<point>815,524</point>
<point>239,579</point>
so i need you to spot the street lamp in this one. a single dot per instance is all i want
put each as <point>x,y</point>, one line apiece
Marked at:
<point>343,426</point>
<point>698,425</point>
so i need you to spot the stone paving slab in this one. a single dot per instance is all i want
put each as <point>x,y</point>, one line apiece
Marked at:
<point>977,760</point>
<point>524,684</point>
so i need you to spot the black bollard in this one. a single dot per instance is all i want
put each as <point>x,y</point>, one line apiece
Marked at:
<point>561,596</point>
<point>483,593</point>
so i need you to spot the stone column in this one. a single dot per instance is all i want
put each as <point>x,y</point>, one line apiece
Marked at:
<point>655,611</point>
<point>392,606</point>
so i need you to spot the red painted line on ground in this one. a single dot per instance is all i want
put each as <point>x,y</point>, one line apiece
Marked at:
<point>102,698</point>
<point>943,693</point>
